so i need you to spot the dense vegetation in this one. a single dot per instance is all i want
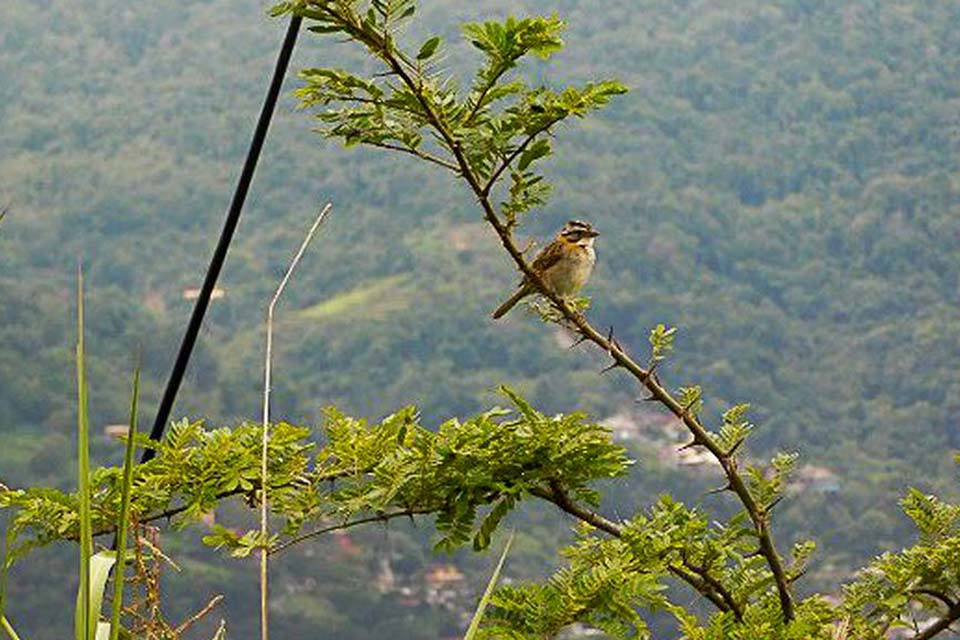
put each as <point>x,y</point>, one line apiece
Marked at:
<point>779,184</point>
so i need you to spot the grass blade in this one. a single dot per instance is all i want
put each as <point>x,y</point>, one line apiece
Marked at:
<point>8,628</point>
<point>488,593</point>
<point>84,623</point>
<point>124,511</point>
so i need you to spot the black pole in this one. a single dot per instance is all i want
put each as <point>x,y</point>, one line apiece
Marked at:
<point>226,235</point>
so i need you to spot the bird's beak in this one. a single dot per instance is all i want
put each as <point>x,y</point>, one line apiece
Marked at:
<point>591,234</point>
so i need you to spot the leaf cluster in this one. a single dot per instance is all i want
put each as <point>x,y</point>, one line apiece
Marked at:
<point>606,581</point>
<point>919,583</point>
<point>470,473</point>
<point>498,126</point>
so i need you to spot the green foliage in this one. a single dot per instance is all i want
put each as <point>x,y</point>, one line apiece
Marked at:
<point>691,398</point>
<point>607,580</point>
<point>767,485</point>
<point>485,463</point>
<point>735,427</point>
<point>916,583</point>
<point>661,342</point>
<point>500,121</point>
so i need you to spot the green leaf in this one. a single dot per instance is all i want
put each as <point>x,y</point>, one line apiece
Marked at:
<point>535,151</point>
<point>324,29</point>
<point>100,565</point>
<point>429,48</point>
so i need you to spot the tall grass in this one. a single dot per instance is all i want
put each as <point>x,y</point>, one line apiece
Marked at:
<point>95,568</point>
<point>85,623</point>
<point>124,519</point>
<point>265,437</point>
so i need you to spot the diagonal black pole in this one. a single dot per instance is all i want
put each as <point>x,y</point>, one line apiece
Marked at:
<point>226,235</point>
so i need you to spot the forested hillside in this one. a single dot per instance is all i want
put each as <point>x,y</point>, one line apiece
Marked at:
<point>781,183</point>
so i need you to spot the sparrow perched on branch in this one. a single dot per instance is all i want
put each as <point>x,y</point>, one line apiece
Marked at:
<point>564,265</point>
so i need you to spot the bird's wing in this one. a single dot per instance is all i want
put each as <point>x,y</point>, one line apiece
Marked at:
<point>550,256</point>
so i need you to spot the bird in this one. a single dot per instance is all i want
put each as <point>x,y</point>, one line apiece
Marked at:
<point>564,265</point>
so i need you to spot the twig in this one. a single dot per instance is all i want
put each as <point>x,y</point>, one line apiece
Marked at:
<point>166,514</point>
<point>489,84</point>
<point>423,155</point>
<point>381,517</point>
<point>265,434</point>
<point>717,587</point>
<point>195,618</point>
<point>701,586</point>
<point>492,180</point>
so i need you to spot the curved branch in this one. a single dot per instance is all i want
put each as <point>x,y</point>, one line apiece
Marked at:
<point>939,595</point>
<point>701,436</point>
<point>716,586</point>
<point>559,497</point>
<point>703,583</point>
<point>942,624</point>
<point>703,588</point>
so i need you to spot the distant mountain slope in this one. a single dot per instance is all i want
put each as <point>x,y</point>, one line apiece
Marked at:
<point>781,183</point>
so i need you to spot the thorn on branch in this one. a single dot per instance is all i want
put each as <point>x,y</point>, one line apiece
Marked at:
<point>613,343</point>
<point>611,367</point>
<point>579,341</point>
<point>733,448</point>
<point>769,508</point>
<point>726,487</point>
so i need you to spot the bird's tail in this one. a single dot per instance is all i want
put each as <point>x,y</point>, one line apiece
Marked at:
<point>521,293</point>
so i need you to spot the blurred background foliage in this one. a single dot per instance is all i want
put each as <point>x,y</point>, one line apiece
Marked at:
<point>781,183</point>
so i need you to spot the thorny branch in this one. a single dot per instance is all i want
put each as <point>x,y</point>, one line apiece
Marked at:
<point>380,517</point>
<point>579,323</point>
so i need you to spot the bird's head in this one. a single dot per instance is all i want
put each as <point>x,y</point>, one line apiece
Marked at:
<point>579,232</point>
